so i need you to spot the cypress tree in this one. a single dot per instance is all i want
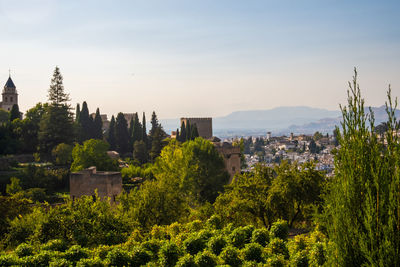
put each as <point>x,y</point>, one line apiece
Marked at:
<point>188,131</point>
<point>121,134</point>
<point>14,113</point>
<point>130,132</point>
<point>144,132</point>
<point>137,130</point>
<point>177,134</point>
<point>195,132</point>
<point>85,124</point>
<point>98,126</point>
<point>111,134</point>
<point>154,123</point>
<point>77,113</point>
<point>183,132</point>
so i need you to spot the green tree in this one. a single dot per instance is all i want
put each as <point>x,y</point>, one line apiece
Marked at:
<point>77,112</point>
<point>98,126</point>
<point>121,134</point>
<point>56,124</point>
<point>157,135</point>
<point>195,132</point>
<point>137,130</point>
<point>57,95</point>
<point>4,116</point>
<point>182,137</point>
<point>14,187</point>
<point>362,204</point>
<point>111,134</point>
<point>93,152</point>
<point>140,151</point>
<point>86,127</point>
<point>144,133</point>
<point>14,113</point>
<point>62,154</point>
<point>31,126</point>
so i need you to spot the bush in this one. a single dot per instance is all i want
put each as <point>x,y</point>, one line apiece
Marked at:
<point>280,229</point>
<point>230,256</point>
<point>94,262</point>
<point>194,244</point>
<point>215,222</point>
<point>55,245</point>
<point>75,253</point>
<point>24,250</point>
<point>300,259</point>
<point>60,262</point>
<point>205,259</point>
<point>186,261</point>
<point>278,246</point>
<point>169,254</point>
<point>276,261</point>
<point>240,236</point>
<point>253,252</point>
<point>139,257</point>
<point>317,254</point>
<point>153,246</point>
<point>118,257</point>
<point>9,260</point>
<point>62,154</point>
<point>41,259</point>
<point>216,244</point>
<point>260,236</point>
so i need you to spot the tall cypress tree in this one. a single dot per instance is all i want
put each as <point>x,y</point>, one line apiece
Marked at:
<point>144,131</point>
<point>98,126</point>
<point>183,132</point>
<point>137,130</point>
<point>85,124</point>
<point>111,134</point>
<point>77,112</point>
<point>188,131</point>
<point>121,134</point>
<point>195,132</point>
<point>130,132</point>
<point>177,134</point>
<point>14,113</point>
<point>154,123</point>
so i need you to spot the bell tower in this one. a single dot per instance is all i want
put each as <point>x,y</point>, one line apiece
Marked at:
<point>10,95</point>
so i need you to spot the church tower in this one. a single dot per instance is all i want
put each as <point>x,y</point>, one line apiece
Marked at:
<point>10,95</point>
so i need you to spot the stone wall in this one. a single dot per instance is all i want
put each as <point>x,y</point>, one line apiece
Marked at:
<point>85,182</point>
<point>231,156</point>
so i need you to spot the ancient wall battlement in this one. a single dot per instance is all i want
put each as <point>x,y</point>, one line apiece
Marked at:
<point>85,183</point>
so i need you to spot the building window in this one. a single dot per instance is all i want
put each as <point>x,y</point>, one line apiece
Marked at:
<point>5,99</point>
<point>11,99</point>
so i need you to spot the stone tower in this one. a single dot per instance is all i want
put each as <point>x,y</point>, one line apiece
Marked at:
<point>10,95</point>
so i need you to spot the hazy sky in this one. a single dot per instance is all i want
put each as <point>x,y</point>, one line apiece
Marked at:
<point>200,58</point>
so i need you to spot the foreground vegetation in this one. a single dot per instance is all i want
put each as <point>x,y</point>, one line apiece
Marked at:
<point>184,213</point>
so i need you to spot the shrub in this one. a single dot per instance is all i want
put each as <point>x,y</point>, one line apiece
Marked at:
<point>55,245</point>
<point>61,262</point>
<point>214,222</point>
<point>102,251</point>
<point>186,261</point>
<point>230,256</point>
<point>240,236</point>
<point>9,260</point>
<point>260,236</point>
<point>194,244</point>
<point>139,257</point>
<point>317,254</point>
<point>253,252</point>
<point>205,259</point>
<point>153,246</point>
<point>168,254</point>
<point>93,262</point>
<point>299,243</point>
<point>300,259</point>
<point>216,244</point>
<point>205,235</point>
<point>276,261</point>
<point>24,250</point>
<point>278,246</point>
<point>194,226</point>
<point>75,253</point>
<point>41,259</point>
<point>280,229</point>
<point>118,257</point>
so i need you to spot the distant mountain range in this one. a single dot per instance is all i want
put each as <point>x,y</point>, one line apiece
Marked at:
<point>280,120</point>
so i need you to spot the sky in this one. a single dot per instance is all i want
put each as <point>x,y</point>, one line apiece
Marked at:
<point>201,58</point>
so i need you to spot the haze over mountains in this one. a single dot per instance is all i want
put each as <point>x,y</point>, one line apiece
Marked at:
<point>279,121</point>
